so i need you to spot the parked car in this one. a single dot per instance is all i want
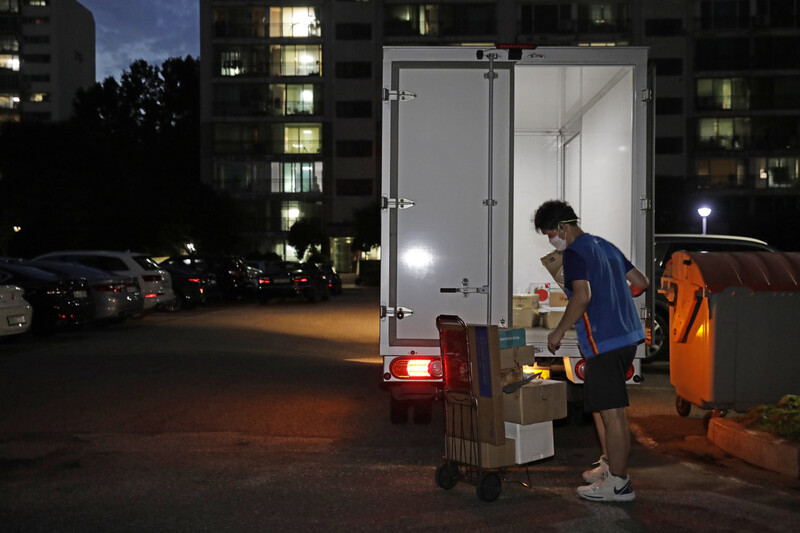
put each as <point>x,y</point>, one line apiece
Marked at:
<point>283,279</point>
<point>116,297</point>
<point>229,271</point>
<point>155,282</point>
<point>191,286</point>
<point>57,301</point>
<point>665,245</point>
<point>334,280</point>
<point>15,312</point>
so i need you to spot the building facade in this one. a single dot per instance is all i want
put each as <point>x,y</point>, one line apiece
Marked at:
<point>47,52</point>
<point>291,101</point>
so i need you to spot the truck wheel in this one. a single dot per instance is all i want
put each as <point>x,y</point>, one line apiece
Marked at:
<point>447,476</point>
<point>488,487</point>
<point>659,336</point>
<point>422,411</point>
<point>398,411</point>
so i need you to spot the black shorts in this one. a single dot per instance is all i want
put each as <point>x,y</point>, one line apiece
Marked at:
<point>604,385</point>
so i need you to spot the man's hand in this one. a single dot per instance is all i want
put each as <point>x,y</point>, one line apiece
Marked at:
<point>554,340</point>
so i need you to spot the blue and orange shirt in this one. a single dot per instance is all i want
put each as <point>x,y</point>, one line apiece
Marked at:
<point>610,321</point>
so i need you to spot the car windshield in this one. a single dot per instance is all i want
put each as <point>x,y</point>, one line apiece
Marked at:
<point>146,262</point>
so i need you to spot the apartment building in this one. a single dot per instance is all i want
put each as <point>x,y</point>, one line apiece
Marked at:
<point>47,52</point>
<point>291,103</point>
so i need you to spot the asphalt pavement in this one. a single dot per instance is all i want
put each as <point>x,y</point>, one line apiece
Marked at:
<point>270,418</point>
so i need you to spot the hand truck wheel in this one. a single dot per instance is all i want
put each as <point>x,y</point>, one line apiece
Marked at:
<point>447,476</point>
<point>488,487</point>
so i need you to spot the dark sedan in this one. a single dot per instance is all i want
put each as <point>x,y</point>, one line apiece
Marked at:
<point>191,286</point>
<point>292,279</point>
<point>230,272</point>
<point>116,297</point>
<point>58,301</point>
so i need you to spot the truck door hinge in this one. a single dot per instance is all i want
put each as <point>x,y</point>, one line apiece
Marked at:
<point>645,204</point>
<point>647,95</point>
<point>402,96</point>
<point>465,289</point>
<point>396,203</point>
<point>489,202</point>
<point>395,312</point>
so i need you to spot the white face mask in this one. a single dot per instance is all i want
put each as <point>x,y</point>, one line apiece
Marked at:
<point>558,243</point>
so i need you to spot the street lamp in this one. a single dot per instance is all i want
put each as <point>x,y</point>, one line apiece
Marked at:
<point>704,212</point>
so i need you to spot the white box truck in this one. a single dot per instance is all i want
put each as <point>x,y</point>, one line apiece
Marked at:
<point>474,140</point>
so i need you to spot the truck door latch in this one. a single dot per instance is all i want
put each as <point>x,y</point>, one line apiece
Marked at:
<point>396,203</point>
<point>402,96</point>
<point>397,312</point>
<point>465,289</point>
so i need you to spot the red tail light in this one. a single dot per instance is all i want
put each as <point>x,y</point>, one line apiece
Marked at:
<point>629,373</point>
<point>416,367</point>
<point>194,280</point>
<point>580,369</point>
<point>264,281</point>
<point>105,288</point>
<point>301,280</point>
<point>151,277</point>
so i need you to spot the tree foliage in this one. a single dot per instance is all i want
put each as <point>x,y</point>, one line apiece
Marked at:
<point>307,236</point>
<point>124,173</point>
<point>368,228</point>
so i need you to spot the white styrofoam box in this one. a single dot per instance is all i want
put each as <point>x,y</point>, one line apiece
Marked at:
<point>533,441</point>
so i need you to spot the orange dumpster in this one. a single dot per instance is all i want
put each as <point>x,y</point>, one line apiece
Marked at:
<point>734,328</point>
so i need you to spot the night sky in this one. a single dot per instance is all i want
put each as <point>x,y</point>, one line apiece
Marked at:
<point>153,30</point>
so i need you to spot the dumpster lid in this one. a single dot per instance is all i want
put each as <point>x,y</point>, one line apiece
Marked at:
<point>758,271</point>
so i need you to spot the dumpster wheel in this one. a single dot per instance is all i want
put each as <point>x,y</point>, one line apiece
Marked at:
<point>682,406</point>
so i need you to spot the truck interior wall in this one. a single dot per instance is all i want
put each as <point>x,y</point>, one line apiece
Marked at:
<point>573,131</point>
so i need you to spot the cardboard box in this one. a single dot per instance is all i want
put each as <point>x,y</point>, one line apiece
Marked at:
<point>558,298</point>
<point>553,263</point>
<point>522,318</point>
<point>484,356</point>
<point>508,338</point>
<point>491,456</point>
<point>551,319</point>
<point>541,400</point>
<point>517,356</point>
<point>531,442</point>
<point>525,301</point>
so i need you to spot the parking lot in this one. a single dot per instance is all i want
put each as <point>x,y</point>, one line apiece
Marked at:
<point>243,417</point>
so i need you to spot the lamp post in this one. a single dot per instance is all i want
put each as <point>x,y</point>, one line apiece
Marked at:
<point>704,212</point>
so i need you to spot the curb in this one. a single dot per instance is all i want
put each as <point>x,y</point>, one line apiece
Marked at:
<point>755,447</point>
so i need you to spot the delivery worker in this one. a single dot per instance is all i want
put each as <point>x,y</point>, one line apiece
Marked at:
<point>599,281</point>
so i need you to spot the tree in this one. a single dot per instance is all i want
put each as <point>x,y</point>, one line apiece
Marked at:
<point>123,173</point>
<point>307,236</point>
<point>368,228</point>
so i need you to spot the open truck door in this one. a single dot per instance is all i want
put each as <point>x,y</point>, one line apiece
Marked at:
<point>445,216</point>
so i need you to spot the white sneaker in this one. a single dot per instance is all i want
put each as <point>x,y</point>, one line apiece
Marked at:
<point>597,474</point>
<point>610,489</point>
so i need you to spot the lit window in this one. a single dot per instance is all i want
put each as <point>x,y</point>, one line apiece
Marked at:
<point>295,60</point>
<point>9,61</point>
<point>302,138</point>
<point>297,176</point>
<point>294,22</point>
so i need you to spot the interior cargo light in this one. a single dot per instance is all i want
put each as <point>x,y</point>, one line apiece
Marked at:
<point>416,367</point>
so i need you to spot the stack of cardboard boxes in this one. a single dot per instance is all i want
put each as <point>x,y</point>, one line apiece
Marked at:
<point>512,428</point>
<point>525,311</point>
